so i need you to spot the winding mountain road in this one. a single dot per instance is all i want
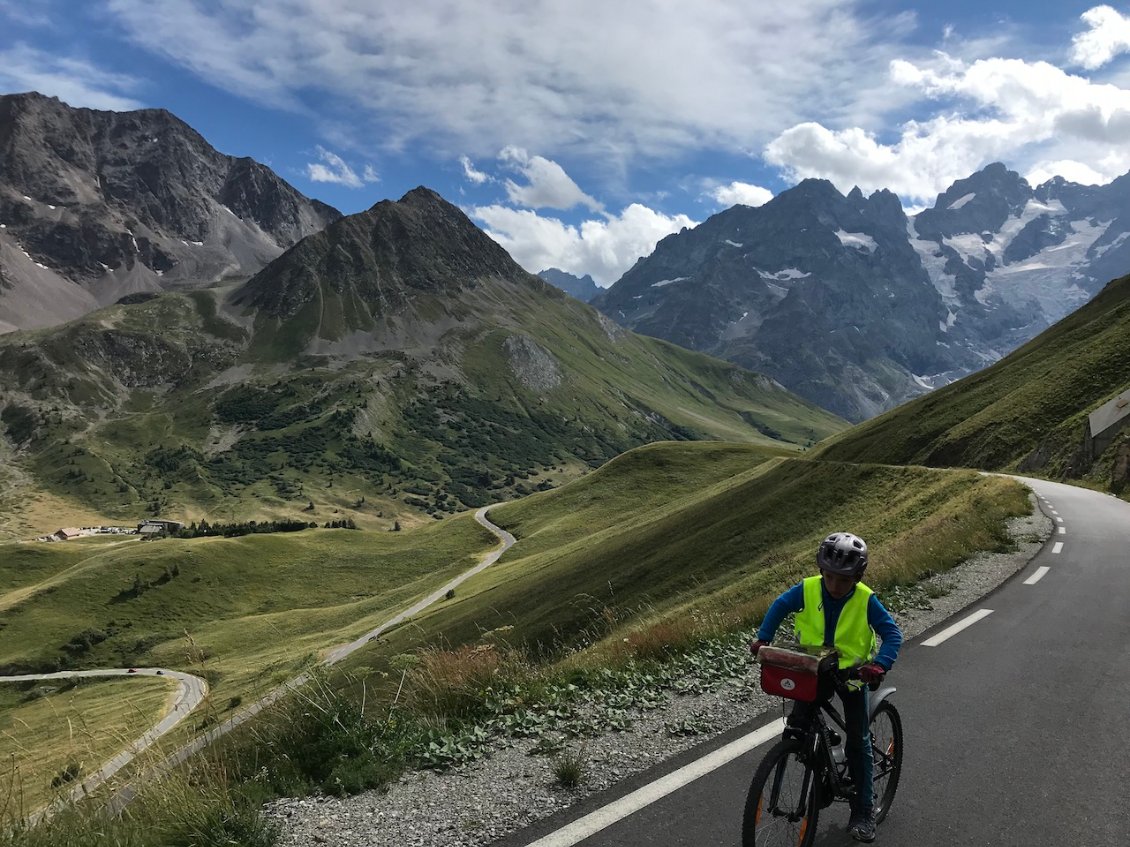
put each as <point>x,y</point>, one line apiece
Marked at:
<point>190,692</point>
<point>332,657</point>
<point>1013,710</point>
<point>193,689</point>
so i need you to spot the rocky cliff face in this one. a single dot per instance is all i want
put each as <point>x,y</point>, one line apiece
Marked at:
<point>97,205</point>
<point>856,307</point>
<point>583,288</point>
<point>822,292</point>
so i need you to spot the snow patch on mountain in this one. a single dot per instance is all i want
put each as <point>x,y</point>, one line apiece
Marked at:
<point>859,240</point>
<point>1099,250</point>
<point>664,282</point>
<point>934,261</point>
<point>1042,277</point>
<point>781,275</point>
<point>733,243</point>
<point>961,201</point>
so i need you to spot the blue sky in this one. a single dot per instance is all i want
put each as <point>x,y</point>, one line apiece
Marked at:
<point>580,132</point>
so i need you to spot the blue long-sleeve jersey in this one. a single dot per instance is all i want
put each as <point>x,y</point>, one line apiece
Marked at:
<point>878,618</point>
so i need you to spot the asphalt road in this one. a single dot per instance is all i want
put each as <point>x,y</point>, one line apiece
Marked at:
<point>1013,725</point>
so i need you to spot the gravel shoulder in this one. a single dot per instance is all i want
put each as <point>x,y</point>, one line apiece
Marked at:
<point>480,802</point>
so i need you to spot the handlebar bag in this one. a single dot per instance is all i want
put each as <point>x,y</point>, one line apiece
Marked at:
<point>790,674</point>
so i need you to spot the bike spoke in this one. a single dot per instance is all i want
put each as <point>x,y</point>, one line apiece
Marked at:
<point>886,743</point>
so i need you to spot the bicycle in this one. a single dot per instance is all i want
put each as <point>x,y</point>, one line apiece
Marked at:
<point>802,773</point>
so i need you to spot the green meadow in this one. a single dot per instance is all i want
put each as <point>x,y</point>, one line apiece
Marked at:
<point>244,613</point>
<point>115,421</point>
<point>54,732</point>
<point>705,533</point>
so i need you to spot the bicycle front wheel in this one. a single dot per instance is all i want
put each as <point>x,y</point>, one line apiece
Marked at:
<point>886,748</point>
<point>782,805</point>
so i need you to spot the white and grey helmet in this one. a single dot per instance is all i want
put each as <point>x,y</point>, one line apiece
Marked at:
<point>842,553</point>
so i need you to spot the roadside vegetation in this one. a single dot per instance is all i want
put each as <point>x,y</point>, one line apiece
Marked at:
<point>1027,412</point>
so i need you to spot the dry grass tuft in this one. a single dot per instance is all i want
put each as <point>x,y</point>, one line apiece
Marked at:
<point>450,683</point>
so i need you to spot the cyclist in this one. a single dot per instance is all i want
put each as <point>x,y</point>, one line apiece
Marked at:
<point>835,609</point>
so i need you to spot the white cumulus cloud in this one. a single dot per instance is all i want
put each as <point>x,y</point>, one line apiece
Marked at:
<point>604,248</point>
<point>469,171</point>
<point>741,192</point>
<point>1006,109</point>
<point>547,185</point>
<point>1108,36</point>
<point>1069,169</point>
<point>332,168</point>
<point>651,78</point>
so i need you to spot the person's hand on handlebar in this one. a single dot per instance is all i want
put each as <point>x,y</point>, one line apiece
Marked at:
<point>756,645</point>
<point>872,673</point>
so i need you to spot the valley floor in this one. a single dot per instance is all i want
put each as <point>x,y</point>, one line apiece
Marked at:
<point>479,803</point>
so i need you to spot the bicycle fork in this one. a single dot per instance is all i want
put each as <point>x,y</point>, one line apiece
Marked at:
<point>797,815</point>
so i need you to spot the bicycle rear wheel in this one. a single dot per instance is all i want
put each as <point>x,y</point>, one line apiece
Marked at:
<point>782,805</point>
<point>886,747</point>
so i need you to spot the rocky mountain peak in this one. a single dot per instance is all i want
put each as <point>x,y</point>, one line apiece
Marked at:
<point>979,203</point>
<point>97,205</point>
<point>379,259</point>
<point>583,288</point>
<point>808,193</point>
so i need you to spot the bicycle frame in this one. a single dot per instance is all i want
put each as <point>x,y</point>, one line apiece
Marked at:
<point>819,754</point>
<point>823,766</point>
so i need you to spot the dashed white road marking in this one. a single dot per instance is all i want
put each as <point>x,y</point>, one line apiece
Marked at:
<point>1037,576</point>
<point>594,822</point>
<point>1063,530</point>
<point>951,631</point>
<point>1059,520</point>
<point>1057,547</point>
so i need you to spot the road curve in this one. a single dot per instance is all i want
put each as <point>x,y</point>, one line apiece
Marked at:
<point>1012,710</point>
<point>332,657</point>
<point>191,690</point>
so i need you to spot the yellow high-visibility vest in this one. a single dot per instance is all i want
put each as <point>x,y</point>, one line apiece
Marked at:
<point>854,639</point>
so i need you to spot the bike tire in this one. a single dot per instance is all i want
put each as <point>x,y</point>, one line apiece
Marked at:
<point>886,747</point>
<point>784,755</point>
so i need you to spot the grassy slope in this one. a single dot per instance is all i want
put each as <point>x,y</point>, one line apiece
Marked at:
<point>46,726</point>
<point>1035,400</point>
<point>243,612</point>
<point>674,531</point>
<point>273,438</point>
<point>711,397</point>
<point>714,530</point>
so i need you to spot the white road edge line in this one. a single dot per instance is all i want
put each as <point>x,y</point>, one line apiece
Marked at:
<point>1057,547</point>
<point>1037,576</point>
<point>951,631</point>
<point>605,816</point>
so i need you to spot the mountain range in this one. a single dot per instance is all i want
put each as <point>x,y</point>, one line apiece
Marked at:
<point>584,288</point>
<point>844,299</point>
<point>394,365</point>
<point>98,205</point>
<point>857,306</point>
